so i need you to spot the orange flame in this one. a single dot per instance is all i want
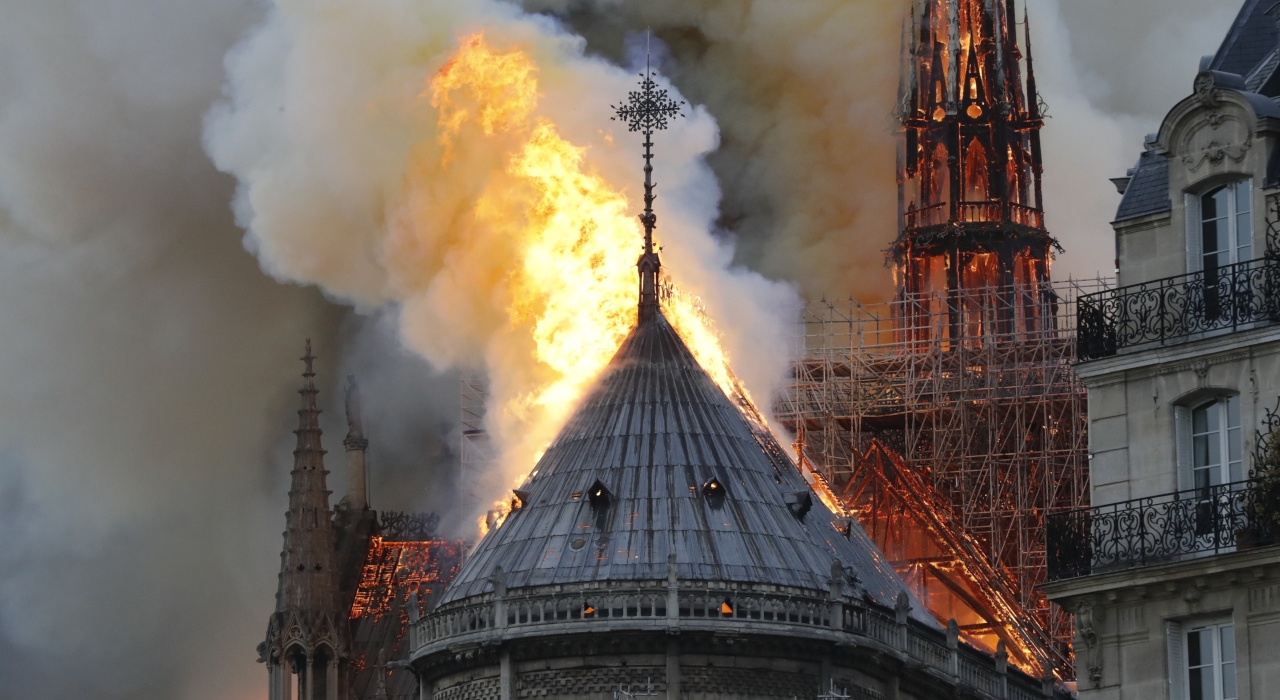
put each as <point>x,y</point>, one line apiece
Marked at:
<point>575,292</point>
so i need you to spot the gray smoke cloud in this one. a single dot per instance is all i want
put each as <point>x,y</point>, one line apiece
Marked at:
<point>149,365</point>
<point>803,95</point>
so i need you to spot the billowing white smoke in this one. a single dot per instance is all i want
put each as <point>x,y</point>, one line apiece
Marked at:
<point>148,365</point>
<point>803,94</point>
<point>361,174</point>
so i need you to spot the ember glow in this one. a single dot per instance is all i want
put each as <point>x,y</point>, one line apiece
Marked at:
<point>577,238</point>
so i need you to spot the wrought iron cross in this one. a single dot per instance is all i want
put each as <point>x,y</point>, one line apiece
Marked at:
<point>647,110</point>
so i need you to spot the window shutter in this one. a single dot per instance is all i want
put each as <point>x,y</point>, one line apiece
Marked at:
<point>1182,436</point>
<point>1244,224</point>
<point>1234,456</point>
<point>1176,663</point>
<point>1192,212</point>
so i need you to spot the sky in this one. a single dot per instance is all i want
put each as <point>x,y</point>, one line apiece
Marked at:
<point>149,348</point>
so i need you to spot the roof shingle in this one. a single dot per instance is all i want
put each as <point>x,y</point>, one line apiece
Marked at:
<point>654,431</point>
<point>1148,190</point>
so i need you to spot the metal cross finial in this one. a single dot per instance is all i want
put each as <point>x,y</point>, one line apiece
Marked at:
<point>647,110</point>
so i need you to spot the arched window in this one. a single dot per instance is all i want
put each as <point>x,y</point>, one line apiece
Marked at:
<point>976,178</point>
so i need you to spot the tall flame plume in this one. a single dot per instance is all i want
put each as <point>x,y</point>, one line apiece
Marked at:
<point>578,240</point>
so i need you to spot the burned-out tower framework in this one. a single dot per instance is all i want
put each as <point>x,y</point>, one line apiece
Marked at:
<point>970,200</point>
<point>950,419</point>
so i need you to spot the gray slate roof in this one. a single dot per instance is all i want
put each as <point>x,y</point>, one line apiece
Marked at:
<point>1260,79</point>
<point>1148,191</point>
<point>654,430</point>
<point>1251,39</point>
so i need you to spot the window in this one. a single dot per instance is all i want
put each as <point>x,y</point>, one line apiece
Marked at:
<point>1225,233</point>
<point>1210,443</point>
<point>1202,661</point>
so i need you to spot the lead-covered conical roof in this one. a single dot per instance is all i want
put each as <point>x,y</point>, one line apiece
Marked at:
<point>657,461</point>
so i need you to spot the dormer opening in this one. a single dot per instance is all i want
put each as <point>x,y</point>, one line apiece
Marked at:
<point>799,503</point>
<point>599,497</point>
<point>714,492</point>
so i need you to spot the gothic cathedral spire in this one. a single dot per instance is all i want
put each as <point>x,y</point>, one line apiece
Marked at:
<point>971,215</point>
<point>308,570</point>
<point>308,637</point>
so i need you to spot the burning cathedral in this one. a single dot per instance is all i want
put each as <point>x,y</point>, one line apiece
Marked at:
<point>665,544</point>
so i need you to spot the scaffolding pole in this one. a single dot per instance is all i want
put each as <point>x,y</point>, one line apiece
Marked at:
<point>983,408</point>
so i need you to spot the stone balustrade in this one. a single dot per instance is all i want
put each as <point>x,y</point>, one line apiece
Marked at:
<point>726,608</point>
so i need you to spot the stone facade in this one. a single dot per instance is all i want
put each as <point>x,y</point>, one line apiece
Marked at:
<point>1173,589</point>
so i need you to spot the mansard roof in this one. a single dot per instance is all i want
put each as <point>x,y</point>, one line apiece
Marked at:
<point>657,461</point>
<point>1245,68</point>
<point>1251,39</point>
<point>1148,189</point>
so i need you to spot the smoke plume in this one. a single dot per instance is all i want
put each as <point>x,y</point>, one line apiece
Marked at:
<point>149,364</point>
<point>458,160</point>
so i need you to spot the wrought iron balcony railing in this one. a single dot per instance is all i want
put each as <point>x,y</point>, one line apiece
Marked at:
<point>1223,299</point>
<point>1160,529</point>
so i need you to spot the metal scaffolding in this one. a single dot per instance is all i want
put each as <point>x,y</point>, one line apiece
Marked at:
<point>952,423</point>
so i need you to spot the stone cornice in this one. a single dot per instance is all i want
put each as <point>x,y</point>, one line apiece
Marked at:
<point>1142,223</point>
<point>1261,564</point>
<point>1216,349</point>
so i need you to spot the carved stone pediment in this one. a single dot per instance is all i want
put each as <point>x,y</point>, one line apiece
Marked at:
<point>1215,138</point>
<point>1216,154</point>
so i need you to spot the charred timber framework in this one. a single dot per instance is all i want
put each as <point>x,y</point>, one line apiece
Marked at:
<point>951,450</point>
<point>969,167</point>
<point>950,419</point>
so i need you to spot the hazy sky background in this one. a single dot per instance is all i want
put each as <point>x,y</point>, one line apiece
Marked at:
<point>148,365</point>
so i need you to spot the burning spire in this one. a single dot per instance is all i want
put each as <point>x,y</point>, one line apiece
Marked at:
<point>648,110</point>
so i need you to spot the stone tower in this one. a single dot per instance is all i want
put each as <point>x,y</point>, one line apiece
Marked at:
<point>308,638</point>
<point>969,166</point>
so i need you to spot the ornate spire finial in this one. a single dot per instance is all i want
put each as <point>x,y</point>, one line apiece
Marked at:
<point>647,110</point>
<point>308,359</point>
<point>1033,95</point>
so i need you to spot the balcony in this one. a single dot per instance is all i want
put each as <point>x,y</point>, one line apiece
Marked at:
<point>1176,309</point>
<point>1160,529</point>
<point>983,212</point>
